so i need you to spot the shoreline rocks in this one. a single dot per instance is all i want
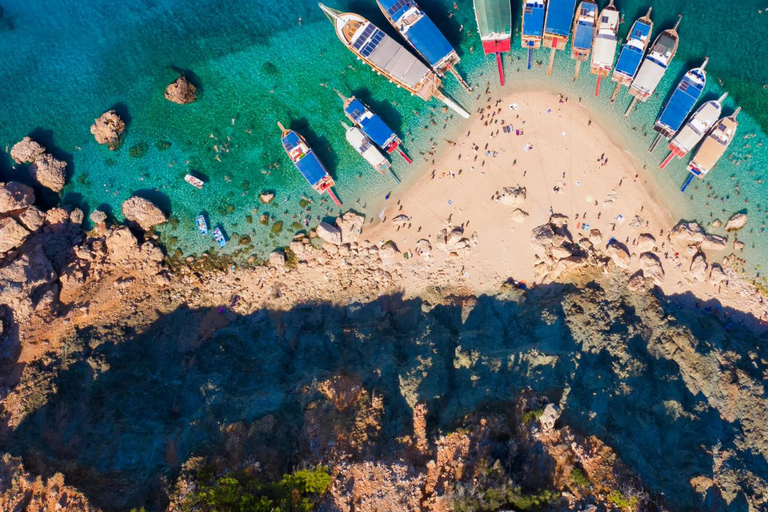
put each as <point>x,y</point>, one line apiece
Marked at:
<point>736,222</point>
<point>15,196</point>
<point>49,172</point>
<point>181,92</point>
<point>26,151</point>
<point>143,212</point>
<point>107,129</point>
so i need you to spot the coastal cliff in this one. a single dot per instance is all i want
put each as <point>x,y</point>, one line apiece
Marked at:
<point>135,375</point>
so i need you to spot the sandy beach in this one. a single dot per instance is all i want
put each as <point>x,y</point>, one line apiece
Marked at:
<point>568,165</point>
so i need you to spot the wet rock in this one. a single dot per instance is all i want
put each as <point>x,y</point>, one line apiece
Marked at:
<point>717,223</point>
<point>12,234</point>
<point>15,196</point>
<point>107,129</point>
<point>26,151</point>
<point>736,222</point>
<point>266,197</point>
<point>738,246</point>
<point>181,92</point>
<point>646,242</point>
<point>49,172</point>
<point>98,216</point>
<point>519,216</point>
<point>512,196</point>
<point>32,218</point>
<point>143,212</point>
<point>329,233</point>
<point>76,217</point>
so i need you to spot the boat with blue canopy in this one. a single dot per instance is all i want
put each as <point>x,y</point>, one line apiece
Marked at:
<point>532,30</point>
<point>695,129</point>
<point>713,148</point>
<point>606,41</point>
<point>632,53</point>
<point>680,104</point>
<point>307,163</point>
<point>423,35</point>
<point>494,23</point>
<point>654,66</point>
<point>584,27</point>
<point>372,126</point>
<point>557,27</point>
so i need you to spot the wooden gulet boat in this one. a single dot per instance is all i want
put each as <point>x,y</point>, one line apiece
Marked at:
<point>584,28</point>
<point>494,24</point>
<point>388,57</point>
<point>557,27</point>
<point>532,29</point>
<point>632,53</point>
<point>606,41</point>
<point>695,129</point>
<point>654,66</point>
<point>713,148</point>
<point>423,36</point>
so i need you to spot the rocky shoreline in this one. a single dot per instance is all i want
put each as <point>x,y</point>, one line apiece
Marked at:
<point>58,281</point>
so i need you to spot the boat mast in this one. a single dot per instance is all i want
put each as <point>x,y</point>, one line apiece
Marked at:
<point>438,94</point>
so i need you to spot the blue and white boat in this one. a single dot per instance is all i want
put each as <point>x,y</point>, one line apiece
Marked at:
<point>532,30</point>
<point>713,148</point>
<point>372,126</point>
<point>654,66</point>
<point>680,104</point>
<point>219,237</point>
<point>307,163</point>
<point>695,129</point>
<point>584,27</point>
<point>202,226</point>
<point>632,53</point>
<point>423,35</point>
<point>557,27</point>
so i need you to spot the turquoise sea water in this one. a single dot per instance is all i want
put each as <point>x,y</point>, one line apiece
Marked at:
<point>65,62</point>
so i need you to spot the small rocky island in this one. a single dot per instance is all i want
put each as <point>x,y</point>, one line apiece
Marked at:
<point>181,92</point>
<point>107,129</point>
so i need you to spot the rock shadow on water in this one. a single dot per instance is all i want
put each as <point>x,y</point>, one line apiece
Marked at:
<point>133,406</point>
<point>159,199</point>
<point>388,113</point>
<point>191,77</point>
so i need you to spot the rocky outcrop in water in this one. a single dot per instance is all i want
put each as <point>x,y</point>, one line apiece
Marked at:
<point>49,172</point>
<point>736,222</point>
<point>26,151</point>
<point>15,197</point>
<point>143,212</point>
<point>181,92</point>
<point>107,129</point>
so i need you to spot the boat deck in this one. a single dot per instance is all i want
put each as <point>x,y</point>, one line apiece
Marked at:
<point>680,104</point>
<point>494,18</point>
<point>631,55</point>
<point>372,125</point>
<point>533,20</point>
<point>694,130</point>
<point>429,41</point>
<point>559,17</point>
<point>387,54</point>
<point>307,163</point>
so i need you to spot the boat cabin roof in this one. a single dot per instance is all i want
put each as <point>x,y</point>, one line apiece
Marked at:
<point>681,103</point>
<point>311,168</point>
<point>429,41</point>
<point>533,20</point>
<point>493,17</point>
<point>396,8</point>
<point>560,17</point>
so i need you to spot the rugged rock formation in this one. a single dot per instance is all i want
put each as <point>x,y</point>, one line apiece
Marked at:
<point>329,233</point>
<point>26,151</point>
<point>181,92</point>
<point>692,233</point>
<point>15,196</point>
<point>512,196</point>
<point>143,212</point>
<point>49,172</point>
<point>12,234</point>
<point>107,129</point>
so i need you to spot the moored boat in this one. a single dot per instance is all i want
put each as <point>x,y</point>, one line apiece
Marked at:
<point>632,53</point>
<point>584,27</point>
<point>532,30</point>
<point>695,129</point>
<point>680,104</point>
<point>654,66</point>
<point>195,182</point>
<point>365,148</point>
<point>388,57</point>
<point>307,163</point>
<point>494,23</point>
<point>606,41</point>
<point>373,126</point>
<point>713,148</point>
<point>423,35</point>
<point>219,237</point>
<point>202,226</point>
<point>557,27</point>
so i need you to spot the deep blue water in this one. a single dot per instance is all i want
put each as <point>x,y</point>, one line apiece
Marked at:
<point>65,62</point>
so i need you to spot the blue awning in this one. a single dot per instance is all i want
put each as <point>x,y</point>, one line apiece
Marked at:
<point>396,8</point>
<point>290,141</point>
<point>355,109</point>
<point>429,41</point>
<point>585,32</point>
<point>629,61</point>
<point>680,104</point>
<point>311,168</point>
<point>378,131</point>
<point>533,21</point>
<point>559,17</point>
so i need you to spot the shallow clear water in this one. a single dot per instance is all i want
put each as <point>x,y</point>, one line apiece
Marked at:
<point>65,62</point>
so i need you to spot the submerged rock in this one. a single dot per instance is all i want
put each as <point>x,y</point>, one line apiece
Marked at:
<point>107,129</point>
<point>143,212</point>
<point>49,172</point>
<point>181,92</point>
<point>26,151</point>
<point>266,197</point>
<point>15,196</point>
